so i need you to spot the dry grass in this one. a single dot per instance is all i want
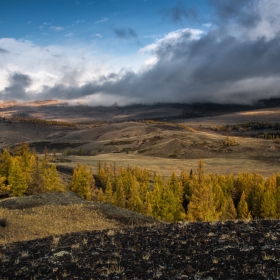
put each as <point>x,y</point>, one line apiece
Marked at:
<point>259,115</point>
<point>227,164</point>
<point>48,220</point>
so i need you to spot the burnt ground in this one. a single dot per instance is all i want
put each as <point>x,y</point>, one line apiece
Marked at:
<point>221,250</point>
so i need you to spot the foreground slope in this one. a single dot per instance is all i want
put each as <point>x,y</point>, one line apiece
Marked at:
<point>229,250</point>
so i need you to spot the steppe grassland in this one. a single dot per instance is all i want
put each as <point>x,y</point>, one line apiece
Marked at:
<point>252,155</point>
<point>46,220</point>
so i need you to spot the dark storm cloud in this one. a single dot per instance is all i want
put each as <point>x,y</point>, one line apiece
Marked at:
<point>3,50</point>
<point>231,60</point>
<point>125,33</point>
<point>179,12</point>
<point>217,67</point>
<point>17,88</point>
<point>207,69</point>
<point>242,11</point>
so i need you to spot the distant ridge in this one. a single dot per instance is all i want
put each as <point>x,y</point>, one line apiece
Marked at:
<point>262,103</point>
<point>14,103</point>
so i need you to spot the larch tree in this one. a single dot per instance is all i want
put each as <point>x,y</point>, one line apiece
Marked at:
<point>242,209</point>
<point>52,181</point>
<point>4,188</point>
<point>120,193</point>
<point>82,182</point>
<point>228,210</point>
<point>5,161</point>
<point>202,204</point>
<point>268,205</point>
<point>277,198</point>
<point>17,178</point>
<point>109,196</point>
<point>255,198</point>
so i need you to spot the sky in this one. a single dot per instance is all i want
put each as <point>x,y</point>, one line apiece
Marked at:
<point>98,52</point>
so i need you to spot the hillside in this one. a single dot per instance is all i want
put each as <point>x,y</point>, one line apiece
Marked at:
<point>57,235</point>
<point>147,144</point>
<point>229,250</point>
<point>43,215</point>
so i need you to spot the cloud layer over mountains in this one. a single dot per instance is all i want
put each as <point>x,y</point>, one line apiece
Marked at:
<point>235,58</point>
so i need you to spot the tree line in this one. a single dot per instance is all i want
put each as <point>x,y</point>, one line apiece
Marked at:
<point>193,195</point>
<point>248,126</point>
<point>22,172</point>
<point>42,122</point>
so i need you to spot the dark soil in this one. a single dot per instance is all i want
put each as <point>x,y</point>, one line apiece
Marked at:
<point>230,250</point>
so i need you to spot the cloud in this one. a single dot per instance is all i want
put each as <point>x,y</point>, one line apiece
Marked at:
<point>236,60</point>
<point>125,33</point>
<point>17,87</point>
<point>189,65</point>
<point>173,38</point>
<point>250,19</point>
<point>70,65</point>
<point>69,34</point>
<point>242,11</point>
<point>3,50</point>
<point>79,21</point>
<point>179,12</point>
<point>102,20</point>
<point>57,28</point>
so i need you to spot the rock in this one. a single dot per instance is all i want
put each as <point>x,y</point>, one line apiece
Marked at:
<point>190,269</point>
<point>61,254</point>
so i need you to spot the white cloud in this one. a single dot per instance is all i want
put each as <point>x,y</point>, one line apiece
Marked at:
<point>69,34</point>
<point>57,28</point>
<point>71,65</point>
<point>102,20</point>
<point>98,35</point>
<point>173,38</point>
<point>79,21</point>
